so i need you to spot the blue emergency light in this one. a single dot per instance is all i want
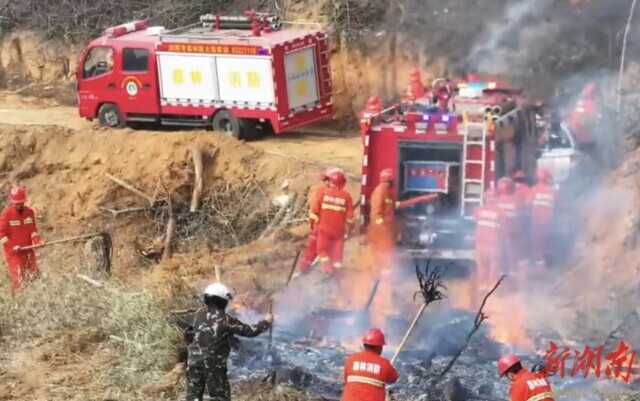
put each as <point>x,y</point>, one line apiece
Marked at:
<point>445,118</point>
<point>263,52</point>
<point>477,85</point>
<point>426,117</point>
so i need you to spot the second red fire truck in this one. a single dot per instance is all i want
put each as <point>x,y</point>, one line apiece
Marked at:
<point>242,75</point>
<point>455,139</point>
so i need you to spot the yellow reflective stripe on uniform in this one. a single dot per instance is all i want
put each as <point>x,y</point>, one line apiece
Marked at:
<point>542,202</point>
<point>388,200</point>
<point>28,220</point>
<point>485,223</point>
<point>15,222</point>
<point>542,396</point>
<point>323,259</point>
<point>313,216</point>
<point>334,207</point>
<point>34,234</point>
<point>365,380</point>
<point>4,240</point>
<point>379,220</point>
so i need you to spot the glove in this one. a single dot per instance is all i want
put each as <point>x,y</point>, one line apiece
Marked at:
<point>189,335</point>
<point>17,248</point>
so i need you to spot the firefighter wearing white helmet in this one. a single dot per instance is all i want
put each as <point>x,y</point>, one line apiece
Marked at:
<point>209,350</point>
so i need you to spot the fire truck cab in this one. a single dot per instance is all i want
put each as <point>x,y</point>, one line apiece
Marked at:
<point>455,139</point>
<point>242,75</point>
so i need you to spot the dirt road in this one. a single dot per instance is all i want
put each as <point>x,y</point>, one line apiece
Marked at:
<point>323,148</point>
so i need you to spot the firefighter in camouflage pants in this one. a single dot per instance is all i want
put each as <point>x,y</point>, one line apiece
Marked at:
<point>213,330</point>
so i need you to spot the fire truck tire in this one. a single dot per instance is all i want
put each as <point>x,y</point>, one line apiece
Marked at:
<point>251,129</point>
<point>225,122</point>
<point>109,116</point>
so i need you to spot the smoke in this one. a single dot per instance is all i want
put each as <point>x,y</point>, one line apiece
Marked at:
<point>508,45</point>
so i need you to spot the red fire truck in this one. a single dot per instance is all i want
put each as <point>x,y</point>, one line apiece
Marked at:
<point>454,139</point>
<point>242,75</point>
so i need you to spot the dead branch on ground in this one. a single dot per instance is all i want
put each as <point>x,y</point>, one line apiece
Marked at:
<point>168,241</point>
<point>480,317</point>
<point>131,188</point>
<point>196,156</point>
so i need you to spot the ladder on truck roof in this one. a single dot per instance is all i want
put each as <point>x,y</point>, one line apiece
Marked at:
<point>475,136</point>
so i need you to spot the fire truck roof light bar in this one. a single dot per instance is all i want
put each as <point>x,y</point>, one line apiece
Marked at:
<point>135,26</point>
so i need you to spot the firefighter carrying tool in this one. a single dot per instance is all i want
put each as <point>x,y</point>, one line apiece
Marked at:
<point>542,199</point>
<point>512,208</point>
<point>332,212</point>
<point>525,386</point>
<point>489,239</point>
<point>18,230</point>
<point>366,373</point>
<point>311,247</point>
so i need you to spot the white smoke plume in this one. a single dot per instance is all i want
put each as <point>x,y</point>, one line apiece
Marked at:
<point>509,44</point>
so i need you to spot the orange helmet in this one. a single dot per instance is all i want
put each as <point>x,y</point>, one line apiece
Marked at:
<point>17,195</point>
<point>386,175</point>
<point>505,362</point>
<point>337,178</point>
<point>505,186</point>
<point>374,337</point>
<point>544,176</point>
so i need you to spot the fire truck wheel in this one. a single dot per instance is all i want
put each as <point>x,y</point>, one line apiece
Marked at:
<point>251,129</point>
<point>224,121</point>
<point>109,116</point>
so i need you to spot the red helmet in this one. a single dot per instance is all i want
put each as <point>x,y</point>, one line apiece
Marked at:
<point>374,337</point>
<point>505,186</point>
<point>386,175</point>
<point>324,175</point>
<point>505,362</point>
<point>337,178</point>
<point>415,72</point>
<point>544,176</point>
<point>17,195</point>
<point>519,175</point>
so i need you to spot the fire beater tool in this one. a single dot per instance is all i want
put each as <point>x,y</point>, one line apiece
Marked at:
<point>431,289</point>
<point>106,247</point>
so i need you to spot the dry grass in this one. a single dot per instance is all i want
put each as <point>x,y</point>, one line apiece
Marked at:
<point>128,323</point>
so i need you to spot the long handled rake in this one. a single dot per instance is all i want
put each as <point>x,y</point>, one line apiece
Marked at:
<point>106,247</point>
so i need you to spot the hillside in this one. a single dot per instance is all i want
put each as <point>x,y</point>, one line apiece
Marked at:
<point>78,334</point>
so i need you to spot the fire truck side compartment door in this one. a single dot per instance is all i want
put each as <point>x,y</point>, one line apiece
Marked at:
<point>302,84</point>
<point>187,77</point>
<point>246,80</point>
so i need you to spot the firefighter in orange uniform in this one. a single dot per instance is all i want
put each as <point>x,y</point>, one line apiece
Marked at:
<point>366,373</point>
<point>522,193</point>
<point>525,386</point>
<point>489,239</point>
<point>512,208</point>
<point>381,232</point>
<point>17,230</point>
<point>311,247</point>
<point>332,213</point>
<point>543,198</point>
